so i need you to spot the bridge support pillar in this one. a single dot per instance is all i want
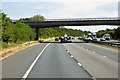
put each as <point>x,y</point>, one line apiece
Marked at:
<point>36,31</point>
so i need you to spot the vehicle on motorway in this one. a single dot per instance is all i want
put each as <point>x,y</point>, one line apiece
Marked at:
<point>102,39</point>
<point>95,38</point>
<point>106,36</point>
<point>67,38</point>
<point>70,38</point>
<point>60,38</point>
<point>73,38</point>
<point>63,40</point>
<point>83,37</point>
<point>65,35</point>
<point>89,38</point>
<point>56,39</point>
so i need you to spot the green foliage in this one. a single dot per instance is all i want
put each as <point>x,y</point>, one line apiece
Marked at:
<point>38,17</point>
<point>58,31</point>
<point>114,33</point>
<point>15,33</point>
<point>117,33</point>
<point>4,45</point>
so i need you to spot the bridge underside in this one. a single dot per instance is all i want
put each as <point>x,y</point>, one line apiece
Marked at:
<point>45,24</point>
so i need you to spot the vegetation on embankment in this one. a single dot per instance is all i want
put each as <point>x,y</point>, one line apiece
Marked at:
<point>114,33</point>
<point>13,34</point>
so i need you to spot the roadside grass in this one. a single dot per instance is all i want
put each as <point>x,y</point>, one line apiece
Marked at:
<point>103,45</point>
<point>12,48</point>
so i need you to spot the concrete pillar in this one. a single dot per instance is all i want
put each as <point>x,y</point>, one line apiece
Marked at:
<point>36,31</point>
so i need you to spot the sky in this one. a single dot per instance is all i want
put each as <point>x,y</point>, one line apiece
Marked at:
<point>62,9</point>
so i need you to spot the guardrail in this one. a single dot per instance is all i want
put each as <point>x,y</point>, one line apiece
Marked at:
<point>115,44</point>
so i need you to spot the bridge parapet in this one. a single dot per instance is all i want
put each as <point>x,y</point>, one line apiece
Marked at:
<point>72,19</point>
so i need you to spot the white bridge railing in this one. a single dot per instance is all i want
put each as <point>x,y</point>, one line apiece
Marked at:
<point>73,19</point>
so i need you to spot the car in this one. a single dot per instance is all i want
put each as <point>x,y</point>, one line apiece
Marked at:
<point>73,38</point>
<point>69,41</point>
<point>94,38</point>
<point>63,40</point>
<point>89,38</point>
<point>102,39</point>
<point>60,38</point>
<point>56,39</point>
<point>70,38</point>
<point>67,38</point>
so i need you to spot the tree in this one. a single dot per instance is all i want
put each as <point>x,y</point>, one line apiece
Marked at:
<point>117,33</point>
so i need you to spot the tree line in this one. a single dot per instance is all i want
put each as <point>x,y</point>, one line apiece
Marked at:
<point>114,33</point>
<point>17,33</point>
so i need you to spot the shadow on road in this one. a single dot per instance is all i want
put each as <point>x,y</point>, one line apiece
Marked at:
<point>59,42</point>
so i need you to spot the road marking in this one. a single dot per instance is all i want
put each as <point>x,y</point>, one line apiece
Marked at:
<point>93,78</point>
<point>79,64</point>
<point>34,62</point>
<point>104,56</point>
<point>68,51</point>
<point>71,56</point>
<point>93,51</point>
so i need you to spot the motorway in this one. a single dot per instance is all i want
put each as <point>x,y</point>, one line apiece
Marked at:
<point>62,60</point>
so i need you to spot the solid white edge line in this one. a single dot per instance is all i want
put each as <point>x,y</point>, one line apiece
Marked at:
<point>32,65</point>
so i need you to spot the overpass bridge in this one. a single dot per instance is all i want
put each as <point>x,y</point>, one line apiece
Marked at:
<point>115,21</point>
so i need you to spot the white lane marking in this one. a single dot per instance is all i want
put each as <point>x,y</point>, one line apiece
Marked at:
<point>68,51</point>
<point>93,78</point>
<point>93,51</point>
<point>32,65</point>
<point>79,64</point>
<point>71,56</point>
<point>104,56</point>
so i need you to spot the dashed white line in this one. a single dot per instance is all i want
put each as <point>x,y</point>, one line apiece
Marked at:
<point>79,64</point>
<point>68,51</point>
<point>34,62</point>
<point>104,56</point>
<point>71,56</point>
<point>93,51</point>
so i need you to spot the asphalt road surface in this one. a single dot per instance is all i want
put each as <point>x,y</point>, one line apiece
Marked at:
<point>55,62</point>
<point>95,59</point>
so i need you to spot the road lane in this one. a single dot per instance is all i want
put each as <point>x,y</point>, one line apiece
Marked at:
<point>16,65</point>
<point>100,50</point>
<point>99,66</point>
<point>56,63</point>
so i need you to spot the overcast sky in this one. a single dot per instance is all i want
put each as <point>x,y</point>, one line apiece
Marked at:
<point>52,9</point>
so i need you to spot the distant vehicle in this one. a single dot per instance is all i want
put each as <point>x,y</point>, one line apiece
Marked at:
<point>102,39</point>
<point>60,37</point>
<point>73,38</point>
<point>94,38</point>
<point>67,38</point>
<point>65,35</point>
<point>89,38</point>
<point>83,37</point>
<point>74,35</point>
<point>56,39</point>
<point>106,36</point>
<point>70,38</point>
<point>63,40</point>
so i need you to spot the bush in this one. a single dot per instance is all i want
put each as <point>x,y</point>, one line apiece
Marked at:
<point>4,45</point>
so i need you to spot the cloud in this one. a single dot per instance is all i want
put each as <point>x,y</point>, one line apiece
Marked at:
<point>72,9</point>
<point>82,9</point>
